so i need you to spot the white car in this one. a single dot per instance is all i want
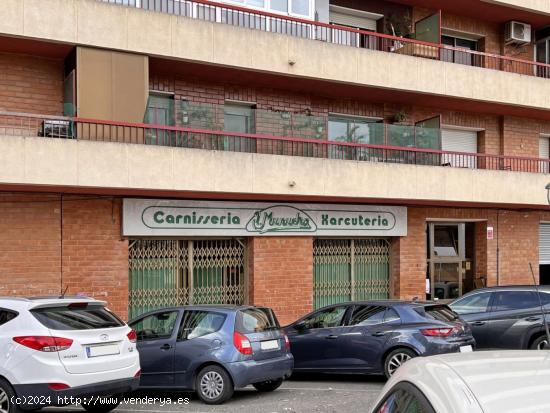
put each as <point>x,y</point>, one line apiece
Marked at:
<point>481,382</point>
<point>52,349</point>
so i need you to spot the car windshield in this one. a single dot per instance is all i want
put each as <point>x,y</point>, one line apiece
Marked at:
<point>256,320</point>
<point>87,317</point>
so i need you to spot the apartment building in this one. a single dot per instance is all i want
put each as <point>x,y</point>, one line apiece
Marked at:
<point>288,153</point>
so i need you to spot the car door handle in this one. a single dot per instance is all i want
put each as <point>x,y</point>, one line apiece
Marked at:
<point>534,318</point>
<point>331,337</point>
<point>165,347</point>
<point>478,323</point>
<point>379,334</point>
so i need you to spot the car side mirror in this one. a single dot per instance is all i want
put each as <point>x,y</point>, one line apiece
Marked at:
<point>300,326</point>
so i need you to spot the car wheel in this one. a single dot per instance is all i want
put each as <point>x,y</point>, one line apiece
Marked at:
<point>6,396</point>
<point>99,407</point>
<point>214,386</point>
<point>540,343</point>
<point>395,359</point>
<point>267,386</point>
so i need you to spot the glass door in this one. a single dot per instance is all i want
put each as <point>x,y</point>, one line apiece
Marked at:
<point>446,257</point>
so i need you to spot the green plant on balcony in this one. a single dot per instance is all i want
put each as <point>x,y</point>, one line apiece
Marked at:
<point>400,117</point>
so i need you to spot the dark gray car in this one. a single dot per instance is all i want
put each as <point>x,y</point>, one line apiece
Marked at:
<point>506,317</point>
<point>212,350</point>
<point>374,337</point>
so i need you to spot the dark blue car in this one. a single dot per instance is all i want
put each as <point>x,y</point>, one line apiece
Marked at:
<point>374,337</point>
<point>212,350</point>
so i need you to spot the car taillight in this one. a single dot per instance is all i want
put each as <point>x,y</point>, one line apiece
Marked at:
<point>242,344</point>
<point>438,332</point>
<point>287,342</point>
<point>58,386</point>
<point>132,336</point>
<point>138,373</point>
<point>44,343</point>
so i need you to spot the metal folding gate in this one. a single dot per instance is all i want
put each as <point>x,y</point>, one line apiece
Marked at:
<point>177,272</point>
<point>350,269</point>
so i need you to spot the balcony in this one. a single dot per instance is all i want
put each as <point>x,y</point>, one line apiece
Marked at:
<point>394,144</point>
<point>73,154</point>
<point>335,34</point>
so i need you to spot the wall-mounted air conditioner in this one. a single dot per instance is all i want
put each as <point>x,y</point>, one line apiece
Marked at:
<point>517,32</point>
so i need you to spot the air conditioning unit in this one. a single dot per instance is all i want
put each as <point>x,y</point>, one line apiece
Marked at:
<point>517,32</point>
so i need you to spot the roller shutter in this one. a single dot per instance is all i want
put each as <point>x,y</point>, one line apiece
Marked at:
<point>456,140</point>
<point>358,22</point>
<point>544,244</point>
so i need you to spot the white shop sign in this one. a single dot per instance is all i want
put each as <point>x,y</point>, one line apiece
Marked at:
<point>154,217</point>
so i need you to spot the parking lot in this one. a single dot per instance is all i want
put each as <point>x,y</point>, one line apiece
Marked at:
<point>302,394</point>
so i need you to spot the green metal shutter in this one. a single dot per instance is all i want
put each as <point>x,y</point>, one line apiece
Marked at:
<point>166,273</point>
<point>350,269</point>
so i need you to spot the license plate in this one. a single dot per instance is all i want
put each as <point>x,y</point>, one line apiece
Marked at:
<point>269,345</point>
<point>466,349</point>
<point>103,350</point>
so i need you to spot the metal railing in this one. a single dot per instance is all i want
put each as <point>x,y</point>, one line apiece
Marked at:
<point>183,137</point>
<point>298,27</point>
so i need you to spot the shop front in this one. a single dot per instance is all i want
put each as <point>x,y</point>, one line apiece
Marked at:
<point>209,252</point>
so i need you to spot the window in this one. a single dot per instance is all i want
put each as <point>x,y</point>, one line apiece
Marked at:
<point>239,117</point>
<point>6,315</point>
<point>515,300</point>
<point>77,317</point>
<point>458,56</point>
<point>156,326</point>
<point>405,399</point>
<point>331,317</point>
<point>353,130</point>
<point>543,54</point>
<point>195,324</point>
<point>256,320</point>
<point>440,312</point>
<point>301,8</point>
<point>473,304</point>
<point>391,315</point>
<point>160,109</point>
<point>365,315</point>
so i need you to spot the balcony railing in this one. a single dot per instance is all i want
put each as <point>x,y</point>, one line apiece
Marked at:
<point>330,33</point>
<point>25,125</point>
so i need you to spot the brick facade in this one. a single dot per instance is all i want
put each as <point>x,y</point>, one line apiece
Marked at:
<point>95,257</point>
<point>281,275</point>
<point>31,84</point>
<point>515,236</point>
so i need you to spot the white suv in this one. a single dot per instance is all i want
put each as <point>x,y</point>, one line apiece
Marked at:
<point>59,351</point>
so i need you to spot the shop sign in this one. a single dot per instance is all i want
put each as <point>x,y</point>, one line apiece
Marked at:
<point>153,217</point>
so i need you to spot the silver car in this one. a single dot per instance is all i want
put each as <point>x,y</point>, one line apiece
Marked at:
<point>481,382</point>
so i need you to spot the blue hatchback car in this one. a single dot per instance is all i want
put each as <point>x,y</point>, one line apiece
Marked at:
<point>212,350</point>
<point>374,337</point>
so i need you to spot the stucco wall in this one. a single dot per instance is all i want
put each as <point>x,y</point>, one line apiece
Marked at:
<point>39,161</point>
<point>92,23</point>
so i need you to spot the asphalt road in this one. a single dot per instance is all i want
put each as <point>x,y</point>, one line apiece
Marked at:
<point>303,394</point>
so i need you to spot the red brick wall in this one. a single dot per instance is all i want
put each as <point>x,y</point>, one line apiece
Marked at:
<point>31,84</point>
<point>516,235</point>
<point>281,275</point>
<point>29,244</point>
<point>95,258</point>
